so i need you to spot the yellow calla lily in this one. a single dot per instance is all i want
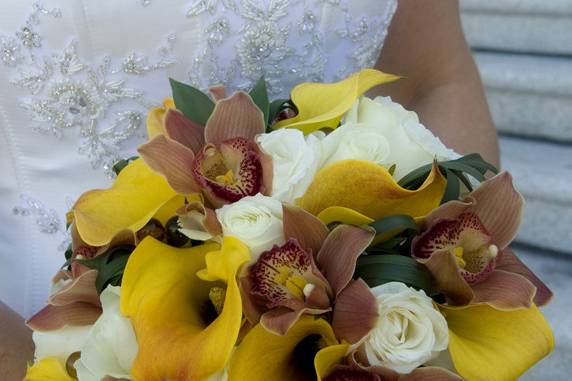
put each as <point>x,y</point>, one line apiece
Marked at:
<point>322,105</point>
<point>264,356</point>
<point>488,344</point>
<point>329,357</point>
<point>134,198</point>
<point>48,369</point>
<point>370,190</point>
<point>156,118</point>
<point>169,307</point>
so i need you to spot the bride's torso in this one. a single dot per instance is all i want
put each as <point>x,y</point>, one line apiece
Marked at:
<point>78,76</point>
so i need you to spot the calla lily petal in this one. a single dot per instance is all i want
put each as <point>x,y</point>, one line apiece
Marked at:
<point>369,189</point>
<point>137,194</point>
<point>234,117</point>
<point>329,357</point>
<point>166,303</point>
<point>344,216</point>
<point>308,230</point>
<point>323,104</point>
<point>172,160</point>
<point>156,118</point>
<point>505,291</point>
<point>264,356</point>
<point>486,343</point>
<point>48,369</point>
<point>355,312</point>
<point>509,262</point>
<point>184,130</point>
<point>338,255</point>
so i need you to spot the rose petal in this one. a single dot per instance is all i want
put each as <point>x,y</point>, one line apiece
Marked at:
<point>51,317</point>
<point>338,255</point>
<point>504,291</point>
<point>172,160</point>
<point>508,261</point>
<point>234,117</point>
<point>184,130</point>
<point>308,230</point>
<point>355,312</point>
<point>499,206</point>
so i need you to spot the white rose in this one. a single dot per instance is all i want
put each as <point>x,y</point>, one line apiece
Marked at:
<point>111,346</point>
<point>383,132</point>
<point>60,343</point>
<point>255,220</point>
<point>294,161</point>
<point>410,331</point>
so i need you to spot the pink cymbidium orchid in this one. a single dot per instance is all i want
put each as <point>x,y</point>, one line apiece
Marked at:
<point>465,247</point>
<point>220,160</point>
<point>307,274</point>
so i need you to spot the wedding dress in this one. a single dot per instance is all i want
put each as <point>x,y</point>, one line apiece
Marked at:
<point>77,77</point>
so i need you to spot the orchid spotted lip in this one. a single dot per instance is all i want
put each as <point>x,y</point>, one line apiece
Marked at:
<point>290,280</point>
<point>220,160</point>
<point>465,247</point>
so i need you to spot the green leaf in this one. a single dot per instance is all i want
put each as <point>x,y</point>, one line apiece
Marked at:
<point>415,176</point>
<point>192,102</point>
<point>121,164</point>
<point>275,107</point>
<point>453,188</point>
<point>463,179</point>
<point>259,95</point>
<point>109,266</point>
<point>398,221</point>
<point>460,166</point>
<point>376,270</point>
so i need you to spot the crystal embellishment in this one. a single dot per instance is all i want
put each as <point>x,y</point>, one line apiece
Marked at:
<point>66,92</point>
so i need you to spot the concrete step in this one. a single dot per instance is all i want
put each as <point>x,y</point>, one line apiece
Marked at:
<point>543,174</point>
<point>556,272</point>
<point>532,26</point>
<point>529,95</point>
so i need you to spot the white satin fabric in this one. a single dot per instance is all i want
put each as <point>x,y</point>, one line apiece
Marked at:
<point>78,75</point>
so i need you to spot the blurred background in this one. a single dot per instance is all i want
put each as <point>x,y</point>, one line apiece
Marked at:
<point>523,49</point>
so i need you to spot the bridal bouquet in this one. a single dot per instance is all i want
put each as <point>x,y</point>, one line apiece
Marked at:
<point>328,236</point>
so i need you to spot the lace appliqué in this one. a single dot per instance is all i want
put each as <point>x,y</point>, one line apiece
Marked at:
<point>66,92</point>
<point>269,42</point>
<point>47,220</point>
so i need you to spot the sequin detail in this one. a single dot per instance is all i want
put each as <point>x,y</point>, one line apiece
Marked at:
<point>46,219</point>
<point>66,92</point>
<point>285,50</point>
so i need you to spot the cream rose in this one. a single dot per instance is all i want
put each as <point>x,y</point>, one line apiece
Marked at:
<point>60,343</point>
<point>294,161</point>
<point>255,220</point>
<point>383,132</point>
<point>410,331</point>
<point>111,345</point>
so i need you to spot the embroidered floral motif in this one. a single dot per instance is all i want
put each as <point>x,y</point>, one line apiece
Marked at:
<point>286,50</point>
<point>47,220</point>
<point>66,92</point>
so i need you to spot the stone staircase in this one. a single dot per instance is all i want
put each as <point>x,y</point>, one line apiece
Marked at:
<point>523,49</point>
